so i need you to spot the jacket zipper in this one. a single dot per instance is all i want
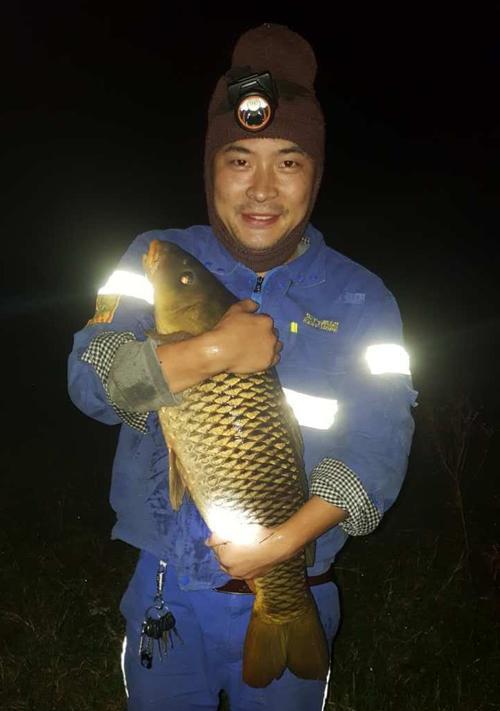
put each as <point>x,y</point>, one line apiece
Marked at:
<point>257,291</point>
<point>258,285</point>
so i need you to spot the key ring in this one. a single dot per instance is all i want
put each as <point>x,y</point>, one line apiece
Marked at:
<point>158,624</point>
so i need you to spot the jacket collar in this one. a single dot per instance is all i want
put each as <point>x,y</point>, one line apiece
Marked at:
<point>306,270</point>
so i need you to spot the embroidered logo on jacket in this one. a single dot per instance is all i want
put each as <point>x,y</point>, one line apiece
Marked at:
<point>322,324</point>
<point>105,308</point>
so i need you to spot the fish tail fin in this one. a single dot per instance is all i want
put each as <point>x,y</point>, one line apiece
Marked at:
<point>299,645</point>
<point>264,654</point>
<point>308,656</point>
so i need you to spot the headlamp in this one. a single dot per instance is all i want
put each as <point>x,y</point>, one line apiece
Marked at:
<point>254,98</point>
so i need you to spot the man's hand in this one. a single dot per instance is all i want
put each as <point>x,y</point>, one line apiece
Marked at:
<point>242,342</point>
<point>275,545</point>
<point>246,342</point>
<point>247,561</point>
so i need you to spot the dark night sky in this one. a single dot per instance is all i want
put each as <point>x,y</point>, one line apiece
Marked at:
<point>102,127</point>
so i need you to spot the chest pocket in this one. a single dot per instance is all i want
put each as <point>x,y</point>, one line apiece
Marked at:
<point>313,349</point>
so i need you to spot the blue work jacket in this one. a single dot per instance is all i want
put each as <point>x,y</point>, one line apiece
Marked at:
<point>328,311</point>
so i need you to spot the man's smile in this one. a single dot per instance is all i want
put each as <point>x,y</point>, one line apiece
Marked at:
<point>261,221</point>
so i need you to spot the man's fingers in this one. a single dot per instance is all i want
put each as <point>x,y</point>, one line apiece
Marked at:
<point>215,540</point>
<point>277,353</point>
<point>248,305</point>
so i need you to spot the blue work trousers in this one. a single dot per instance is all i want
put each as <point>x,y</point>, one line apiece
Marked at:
<point>213,626</point>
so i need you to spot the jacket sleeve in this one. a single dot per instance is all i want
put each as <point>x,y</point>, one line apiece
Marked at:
<point>373,428</point>
<point>124,314</point>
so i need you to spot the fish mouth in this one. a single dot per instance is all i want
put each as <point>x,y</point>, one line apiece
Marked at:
<point>153,258</point>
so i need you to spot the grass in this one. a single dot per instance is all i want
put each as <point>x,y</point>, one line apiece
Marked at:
<point>60,628</point>
<point>412,637</point>
<point>417,635</point>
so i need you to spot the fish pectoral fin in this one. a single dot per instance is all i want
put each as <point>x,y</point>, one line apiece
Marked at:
<point>177,479</point>
<point>176,485</point>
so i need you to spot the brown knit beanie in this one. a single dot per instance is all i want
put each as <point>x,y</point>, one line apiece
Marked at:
<point>298,118</point>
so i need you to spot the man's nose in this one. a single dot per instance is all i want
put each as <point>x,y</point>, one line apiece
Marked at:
<point>263,186</point>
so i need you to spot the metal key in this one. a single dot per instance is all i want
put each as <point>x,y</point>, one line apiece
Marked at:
<point>146,648</point>
<point>158,624</point>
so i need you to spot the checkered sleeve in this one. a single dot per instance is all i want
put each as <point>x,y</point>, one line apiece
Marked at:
<point>100,354</point>
<point>334,482</point>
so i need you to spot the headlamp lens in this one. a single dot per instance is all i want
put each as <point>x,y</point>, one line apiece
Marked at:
<point>254,98</point>
<point>254,112</point>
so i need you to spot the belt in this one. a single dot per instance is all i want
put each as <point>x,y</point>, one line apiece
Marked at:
<point>239,587</point>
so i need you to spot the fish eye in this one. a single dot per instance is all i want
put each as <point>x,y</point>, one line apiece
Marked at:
<point>186,278</point>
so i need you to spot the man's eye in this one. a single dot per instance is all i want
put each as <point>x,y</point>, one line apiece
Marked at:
<point>239,162</point>
<point>290,163</point>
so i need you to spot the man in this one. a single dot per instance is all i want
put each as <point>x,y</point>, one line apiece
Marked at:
<point>339,355</point>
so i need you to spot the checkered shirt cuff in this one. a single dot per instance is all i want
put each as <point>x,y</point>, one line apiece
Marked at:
<point>100,354</point>
<point>334,482</point>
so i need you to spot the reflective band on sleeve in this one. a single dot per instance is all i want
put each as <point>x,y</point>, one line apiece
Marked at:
<point>387,358</point>
<point>310,411</point>
<point>129,284</point>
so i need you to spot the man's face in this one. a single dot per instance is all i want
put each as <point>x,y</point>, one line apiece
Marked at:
<point>262,189</point>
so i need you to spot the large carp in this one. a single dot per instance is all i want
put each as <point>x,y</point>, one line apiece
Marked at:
<point>235,445</point>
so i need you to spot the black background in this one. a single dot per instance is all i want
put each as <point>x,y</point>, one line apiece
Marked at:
<point>103,114</point>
